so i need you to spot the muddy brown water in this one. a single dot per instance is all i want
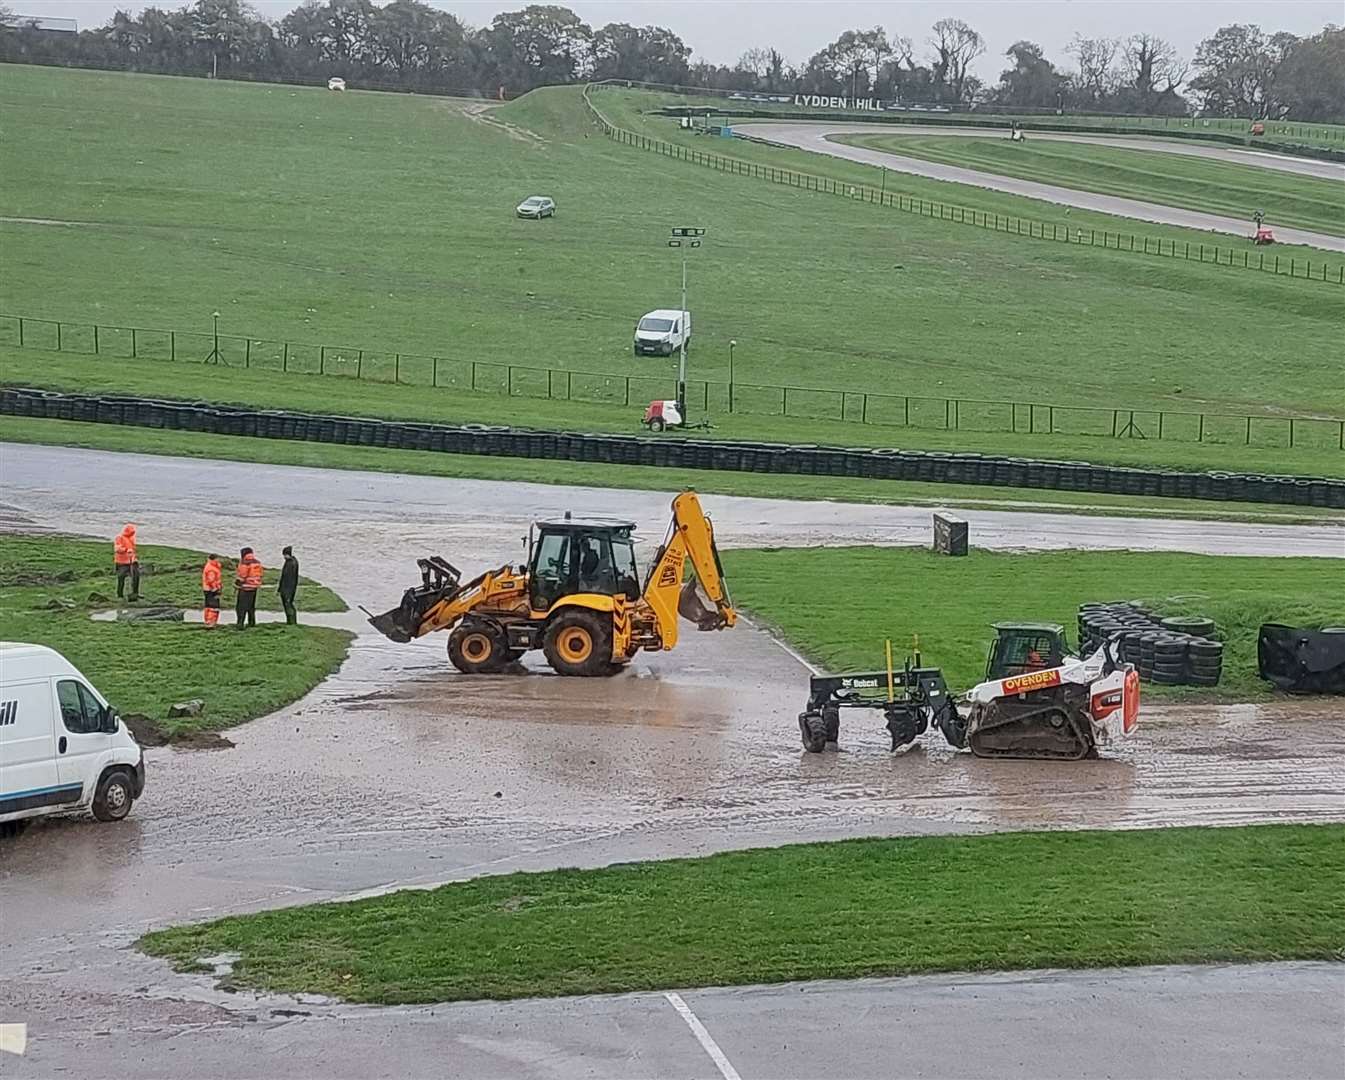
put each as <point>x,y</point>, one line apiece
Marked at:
<point>399,772</point>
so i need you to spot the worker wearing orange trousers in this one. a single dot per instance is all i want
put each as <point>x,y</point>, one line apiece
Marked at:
<point>210,589</point>
<point>249,580</point>
<point>125,561</point>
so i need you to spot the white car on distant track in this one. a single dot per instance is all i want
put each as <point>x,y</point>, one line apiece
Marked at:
<point>536,206</point>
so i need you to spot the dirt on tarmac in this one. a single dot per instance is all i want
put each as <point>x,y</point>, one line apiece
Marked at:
<point>400,772</point>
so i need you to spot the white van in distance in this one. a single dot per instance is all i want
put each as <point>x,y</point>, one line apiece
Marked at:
<point>62,746</point>
<point>662,332</point>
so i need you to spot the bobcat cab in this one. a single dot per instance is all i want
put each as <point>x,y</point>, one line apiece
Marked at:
<point>579,597</point>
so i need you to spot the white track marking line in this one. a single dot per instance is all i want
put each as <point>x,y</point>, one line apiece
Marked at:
<point>708,1044</point>
<point>13,1038</point>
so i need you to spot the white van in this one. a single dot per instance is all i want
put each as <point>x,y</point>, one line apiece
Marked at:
<point>62,746</point>
<point>662,332</point>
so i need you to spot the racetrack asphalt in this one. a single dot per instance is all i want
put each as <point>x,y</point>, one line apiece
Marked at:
<point>819,138</point>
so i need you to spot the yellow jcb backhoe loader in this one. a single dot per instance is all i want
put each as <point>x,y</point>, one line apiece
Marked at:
<point>578,598</point>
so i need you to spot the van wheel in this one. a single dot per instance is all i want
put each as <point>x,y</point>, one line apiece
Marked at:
<point>114,797</point>
<point>13,828</point>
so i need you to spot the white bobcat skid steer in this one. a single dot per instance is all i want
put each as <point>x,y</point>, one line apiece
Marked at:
<point>1062,712</point>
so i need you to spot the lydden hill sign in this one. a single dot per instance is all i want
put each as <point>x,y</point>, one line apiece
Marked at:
<point>813,101</point>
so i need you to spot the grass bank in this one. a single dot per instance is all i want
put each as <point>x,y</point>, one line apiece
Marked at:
<point>1197,183</point>
<point>171,224</point>
<point>1316,451</point>
<point>638,477</point>
<point>837,910</point>
<point>871,593</point>
<point>50,585</point>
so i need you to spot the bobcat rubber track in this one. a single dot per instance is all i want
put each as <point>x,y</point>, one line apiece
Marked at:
<point>1051,724</point>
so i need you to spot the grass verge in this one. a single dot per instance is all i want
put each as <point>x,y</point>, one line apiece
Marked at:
<point>814,911</point>
<point>50,585</point>
<point>875,593</point>
<point>1317,451</point>
<point>638,477</point>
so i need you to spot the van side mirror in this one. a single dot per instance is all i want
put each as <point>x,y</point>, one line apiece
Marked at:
<point>109,720</point>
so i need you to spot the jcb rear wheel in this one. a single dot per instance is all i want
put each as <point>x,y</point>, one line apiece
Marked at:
<point>579,642</point>
<point>477,649</point>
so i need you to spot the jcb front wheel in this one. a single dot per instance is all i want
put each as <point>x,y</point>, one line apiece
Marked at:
<point>579,642</point>
<point>477,649</point>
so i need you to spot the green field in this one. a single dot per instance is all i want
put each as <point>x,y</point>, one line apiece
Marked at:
<point>49,586</point>
<point>385,222</point>
<point>1215,187</point>
<point>814,911</point>
<point>876,593</point>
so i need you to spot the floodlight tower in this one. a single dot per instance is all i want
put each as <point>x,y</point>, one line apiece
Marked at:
<point>685,237</point>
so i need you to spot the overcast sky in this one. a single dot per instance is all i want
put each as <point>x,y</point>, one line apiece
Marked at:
<point>720,30</point>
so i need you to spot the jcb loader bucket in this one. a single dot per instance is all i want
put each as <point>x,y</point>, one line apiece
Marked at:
<point>399,624</point>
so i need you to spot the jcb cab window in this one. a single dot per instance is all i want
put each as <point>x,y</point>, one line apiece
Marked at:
<point>80,712</point>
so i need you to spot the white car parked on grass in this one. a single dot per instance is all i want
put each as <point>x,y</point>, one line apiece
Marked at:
<point>536,206</point>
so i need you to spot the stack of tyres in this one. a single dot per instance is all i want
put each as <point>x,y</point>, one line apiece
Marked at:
<point>1169,663</point>
<point>1173,651</point>
<point>1205,662</point>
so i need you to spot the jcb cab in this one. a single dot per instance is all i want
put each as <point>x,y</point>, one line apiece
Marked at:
<point>578,599</point>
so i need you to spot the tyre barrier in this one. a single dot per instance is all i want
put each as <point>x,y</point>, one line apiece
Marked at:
<point>670,451</point>
<point>1168,651</point>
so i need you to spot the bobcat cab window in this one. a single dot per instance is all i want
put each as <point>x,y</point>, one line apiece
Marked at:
<point>80,711</point>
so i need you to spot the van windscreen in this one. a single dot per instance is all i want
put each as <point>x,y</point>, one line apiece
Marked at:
<point>657,326</point>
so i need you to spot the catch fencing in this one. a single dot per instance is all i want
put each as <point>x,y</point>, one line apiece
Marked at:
<point>673,451</point>
<point>704,396</point>
<point>1241,257</point>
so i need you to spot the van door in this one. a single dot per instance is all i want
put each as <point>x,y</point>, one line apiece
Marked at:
<point>28,774</point>
<point>80,740</point>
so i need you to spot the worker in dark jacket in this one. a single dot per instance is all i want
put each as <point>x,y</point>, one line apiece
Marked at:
<point>289,585</point>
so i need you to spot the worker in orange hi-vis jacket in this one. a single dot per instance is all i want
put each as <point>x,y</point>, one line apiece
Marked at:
<point>248,580</point>
<point>126,562</point>
<point>211,584</point>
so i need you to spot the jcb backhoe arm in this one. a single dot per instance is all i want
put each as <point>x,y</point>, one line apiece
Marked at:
<point>690,535</point>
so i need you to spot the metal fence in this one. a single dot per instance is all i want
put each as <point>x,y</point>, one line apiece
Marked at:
<point>1241,258</point>
<point>708,396</point>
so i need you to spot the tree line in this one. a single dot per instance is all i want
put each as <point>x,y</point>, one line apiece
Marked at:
<point>406,44</point>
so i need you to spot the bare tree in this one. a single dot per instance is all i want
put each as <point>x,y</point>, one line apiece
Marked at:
<point>1096,58</point>
<point>956,45</point>
<point>1154,68</point>
<point>756,62</point>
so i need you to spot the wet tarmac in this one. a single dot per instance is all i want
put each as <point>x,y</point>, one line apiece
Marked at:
<point>818,138</point>
<point>398,772</point>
